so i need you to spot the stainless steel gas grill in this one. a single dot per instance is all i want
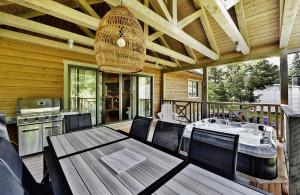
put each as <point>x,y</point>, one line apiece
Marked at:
<point>37,119</point>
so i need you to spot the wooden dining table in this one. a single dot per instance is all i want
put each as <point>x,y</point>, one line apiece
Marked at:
<point>104,161</point>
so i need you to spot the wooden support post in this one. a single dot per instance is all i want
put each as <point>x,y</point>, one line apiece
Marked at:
<point>204,93</point>
<point>162,88</point>
<point>284,78</point>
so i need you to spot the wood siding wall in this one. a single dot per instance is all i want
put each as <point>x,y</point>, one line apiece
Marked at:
<point>31,71</point>
<point>34,71</point>
<point>176,85</point>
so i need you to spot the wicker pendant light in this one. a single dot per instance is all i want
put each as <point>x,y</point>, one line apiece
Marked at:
<point>119,44</point>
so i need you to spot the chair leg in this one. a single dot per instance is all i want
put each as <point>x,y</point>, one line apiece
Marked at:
<point>46,178</point>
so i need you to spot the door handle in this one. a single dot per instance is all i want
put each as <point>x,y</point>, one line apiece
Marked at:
<point>54,126</point>
<point>27,130</point>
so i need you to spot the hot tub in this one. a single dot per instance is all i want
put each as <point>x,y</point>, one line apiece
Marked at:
<point>257,151</point>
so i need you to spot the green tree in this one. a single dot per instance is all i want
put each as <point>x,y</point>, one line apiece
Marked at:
<point>295,66</point>
<point>238,81</point>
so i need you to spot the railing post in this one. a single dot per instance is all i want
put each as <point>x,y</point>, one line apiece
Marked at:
<point>204,93</point>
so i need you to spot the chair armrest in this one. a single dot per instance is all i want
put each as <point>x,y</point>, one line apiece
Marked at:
<point>159,115</point>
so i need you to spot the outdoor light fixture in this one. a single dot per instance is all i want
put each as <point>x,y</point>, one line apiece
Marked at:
<point>119,44</point>
<point>71,43</point>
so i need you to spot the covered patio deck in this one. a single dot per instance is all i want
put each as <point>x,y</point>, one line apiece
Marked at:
<point>47,54</point>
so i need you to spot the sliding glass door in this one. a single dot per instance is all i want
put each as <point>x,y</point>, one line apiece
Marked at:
<point>109,97</point>
<point>144,95</point>
<point>83,91</point>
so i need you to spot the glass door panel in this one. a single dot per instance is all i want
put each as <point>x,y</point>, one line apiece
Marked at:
<point>100,98</point>
<point>144,96</point>
<point>126,107</point>
<point>111,98</point>
<point>133,96</point>
<point>83,91</point>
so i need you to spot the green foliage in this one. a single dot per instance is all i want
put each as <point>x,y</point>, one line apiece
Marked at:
<point>295,66</point>
<point>237,82</point>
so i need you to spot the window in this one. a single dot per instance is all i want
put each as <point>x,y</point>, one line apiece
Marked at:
<point>193,88</point>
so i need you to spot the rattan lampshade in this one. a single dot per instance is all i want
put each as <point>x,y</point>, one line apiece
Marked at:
<point>119,22</point>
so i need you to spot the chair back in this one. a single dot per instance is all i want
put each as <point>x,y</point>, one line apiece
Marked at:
<point>13,161</point>
<point>214,151</point>
<point>9,183</point>
<point>3,129</point>
<point>140,127</point>
<point>167,113</point>
<point>76,122</point>
<point>168,135</point>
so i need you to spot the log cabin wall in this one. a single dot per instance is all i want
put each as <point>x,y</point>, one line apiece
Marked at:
<point>176,85</point>
<point>34,71</point>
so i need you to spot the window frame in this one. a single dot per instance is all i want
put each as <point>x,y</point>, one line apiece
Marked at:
<point>197,92</point>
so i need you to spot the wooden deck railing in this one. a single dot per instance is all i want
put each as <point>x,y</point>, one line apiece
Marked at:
<point>191,111</point>
<point>268,114</point>
<point>187,110</point>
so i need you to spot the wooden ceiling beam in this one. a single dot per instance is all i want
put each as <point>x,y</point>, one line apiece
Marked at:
<point>153,19</point>
<point>3,2</point>
<point>25,24</point>
<point>181,24</point>
<point>155,35</point>
<point>240,15</point>
<point>189,19</point>
<point>61,11</point>
<point>165,10</point>
<point>87,31</point>
<point>168,52</point>
<point>33,26</point>
<point>191,53</point>
<point>71,4</point>
<point>85,6</point>
<point>59,45</point>
<point>42,41</point>
<point>142,12</point>
<point>160,61</point>
<point>218,11</point>
<point>258,53</point>
<point>206,26</point>
<point>230,3</point>
<point>288,20</point>
<point>163,41</point>
<point>174,11</point>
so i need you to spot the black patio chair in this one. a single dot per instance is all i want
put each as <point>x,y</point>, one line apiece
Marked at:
<point>214,151</point>
<point>52,167</point>
<point>9,184</point>
<point>168,135</point>
<point>13,167</point>
<point>76,122</point>
<point>140,128</point>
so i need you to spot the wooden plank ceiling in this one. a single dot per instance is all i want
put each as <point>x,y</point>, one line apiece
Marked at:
<point>180,34</point>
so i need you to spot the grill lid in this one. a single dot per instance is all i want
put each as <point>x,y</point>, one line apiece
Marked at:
<point>29,106</point>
